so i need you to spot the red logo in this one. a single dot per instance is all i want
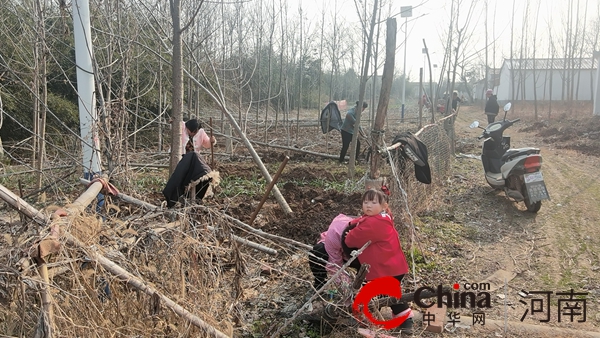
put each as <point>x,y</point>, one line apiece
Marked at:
<point>386,286</point>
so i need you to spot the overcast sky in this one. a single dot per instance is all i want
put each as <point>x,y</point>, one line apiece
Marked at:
<point>430,20</point>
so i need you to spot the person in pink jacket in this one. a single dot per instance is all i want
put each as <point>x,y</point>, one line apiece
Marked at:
<point>194,138</point>
<point>327,256</point>
<point>384,254</point>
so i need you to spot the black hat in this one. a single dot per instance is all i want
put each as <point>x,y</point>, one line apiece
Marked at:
<point>365,105</point>
<point>192,125</point>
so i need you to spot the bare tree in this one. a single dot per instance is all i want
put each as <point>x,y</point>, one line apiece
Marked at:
<point>487,68</point>
<point>40,88</point>
<point>431,91</point>
<point>1,121</point>
<point>386,88</point>
<point>594,44</point>
<point>522,63</point>
<point>177,67</point>
<point>462,37</point>
<point>582,48</point>
<point>535,77</point>
<point>363,82</point>
<point>512,62</point>
<point>552,50</point>
<point>259,35</point>
<point>272,23</point>
<point>300,70</point>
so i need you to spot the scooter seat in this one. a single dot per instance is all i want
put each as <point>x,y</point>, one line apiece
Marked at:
<point>494,179</point>
<point>512,153</point>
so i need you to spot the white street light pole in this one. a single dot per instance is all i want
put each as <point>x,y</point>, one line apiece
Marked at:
<point>85,88</point>
<point>424,50</point>
<point>405,12</point>
<point>597,94</point>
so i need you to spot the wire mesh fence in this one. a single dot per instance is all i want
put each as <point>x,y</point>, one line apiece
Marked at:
<point>408,195</point>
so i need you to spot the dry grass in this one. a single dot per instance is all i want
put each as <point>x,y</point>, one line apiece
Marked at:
<point>192,266</point>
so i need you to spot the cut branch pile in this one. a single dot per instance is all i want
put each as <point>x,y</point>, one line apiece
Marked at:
<point>118,275</point>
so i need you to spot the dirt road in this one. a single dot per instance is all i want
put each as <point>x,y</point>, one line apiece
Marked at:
<point>555,250</point>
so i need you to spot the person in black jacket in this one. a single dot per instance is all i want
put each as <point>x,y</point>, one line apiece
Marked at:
<point>455,101</point>
<point>192,166</point>
<point>491,107</point>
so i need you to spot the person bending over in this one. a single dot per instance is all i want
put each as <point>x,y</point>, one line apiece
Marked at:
<point>348,130</point>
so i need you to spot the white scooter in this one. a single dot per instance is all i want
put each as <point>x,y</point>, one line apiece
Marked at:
<point>516,171</point>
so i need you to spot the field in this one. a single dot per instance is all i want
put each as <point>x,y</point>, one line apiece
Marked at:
<point>466,233</point>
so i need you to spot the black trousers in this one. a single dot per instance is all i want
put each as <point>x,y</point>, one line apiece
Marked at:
<point>317,261</point>
<point>491,118</point>
<point>398,308</point>
<point>317,267</point>
<point>346,140</point>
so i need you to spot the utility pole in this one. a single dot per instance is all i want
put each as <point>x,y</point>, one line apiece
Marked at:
<point>387,78</point>
<point>85,89</point>
<point>596,95</point>
<point>405,12</point>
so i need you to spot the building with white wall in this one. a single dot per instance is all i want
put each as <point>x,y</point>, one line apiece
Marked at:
<point>556,79</point>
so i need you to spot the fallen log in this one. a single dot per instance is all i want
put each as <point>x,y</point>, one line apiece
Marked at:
<point>51,244</point>
<point>128,199</point>
<point>268,191</point>
<point>298,150</point>
<point>35,170</point>
<point>41,190</point>
<point>21,206</point>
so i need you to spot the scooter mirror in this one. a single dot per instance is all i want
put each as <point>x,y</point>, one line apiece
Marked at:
<point>507,106</point>
<point>475,124</point>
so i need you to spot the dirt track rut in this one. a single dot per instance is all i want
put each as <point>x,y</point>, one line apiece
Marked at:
<point>554,250</point>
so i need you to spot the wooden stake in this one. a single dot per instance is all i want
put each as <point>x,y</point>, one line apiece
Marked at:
<point>21,196</point>
<point>212,152</point>
<point>183,283</point>
<point>271,185</point>
<point>46,296</point>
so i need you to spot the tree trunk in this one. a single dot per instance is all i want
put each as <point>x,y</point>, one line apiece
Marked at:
<point>270,72</point>
<point>535,78</point>
<point>220,101</point>
<point>361,93</point>
<point>42,100</point>
<point>386,88</point>
<point>431,92</point>
<point>177,91</point>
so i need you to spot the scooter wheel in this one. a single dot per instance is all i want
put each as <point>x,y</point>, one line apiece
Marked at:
<point>533,207</point>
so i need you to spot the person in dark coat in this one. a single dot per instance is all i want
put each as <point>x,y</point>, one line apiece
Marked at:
<point>455,101</point>
<point>348,130</point>
<point>491,107</point>
<point>192,166</point>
